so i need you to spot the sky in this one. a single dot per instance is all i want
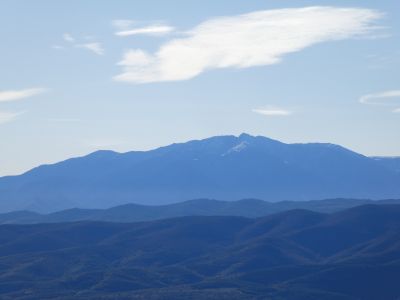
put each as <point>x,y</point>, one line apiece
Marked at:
<point>79,76</point>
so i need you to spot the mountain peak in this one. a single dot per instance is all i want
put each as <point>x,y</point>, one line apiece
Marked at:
<point>244,135</point>
<point>103,154</point>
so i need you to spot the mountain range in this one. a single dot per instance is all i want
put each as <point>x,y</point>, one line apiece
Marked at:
<point>250,208</point>
<point>222,167</point>
<point>298,254</point>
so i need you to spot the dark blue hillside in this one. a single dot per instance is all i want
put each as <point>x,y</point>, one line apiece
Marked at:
<point>298,254</point>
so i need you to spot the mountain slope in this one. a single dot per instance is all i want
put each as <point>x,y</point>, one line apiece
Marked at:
<point>353,254</point>
<point>391,163</point>
<point>225,167</point>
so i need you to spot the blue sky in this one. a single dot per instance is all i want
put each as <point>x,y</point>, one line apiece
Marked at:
<point>77,76</point>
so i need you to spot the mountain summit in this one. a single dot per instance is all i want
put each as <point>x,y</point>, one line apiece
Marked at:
<point>221,167</point>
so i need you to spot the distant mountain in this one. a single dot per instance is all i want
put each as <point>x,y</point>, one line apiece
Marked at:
<point>251,208</point>
<point>299,254</point>
<point>223,167</point>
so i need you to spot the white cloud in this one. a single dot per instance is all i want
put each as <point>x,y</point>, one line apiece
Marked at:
<point>136,58</point>
<point>397,110</point>
<point>382,98</point>
<point>13,95</point>
<point>273,112</point>
<point>126,28</point>
<point>68,38</point>
<point>94,47</point>
<point>148,30</point>
<point>255,39</point>
<point>6,116</point>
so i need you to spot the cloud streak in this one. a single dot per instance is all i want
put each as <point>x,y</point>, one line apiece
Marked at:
<point>386,98</point>
<point>273,112</point>
<point>260,38</point>
<point>126,28</point>
<point>68,38</point>
<point>6,116</point>
<point>155,30</point>
<point>382,98</point>
<point>96,48</point>
<point>13,95</point>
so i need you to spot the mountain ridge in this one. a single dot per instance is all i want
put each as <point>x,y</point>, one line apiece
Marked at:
<point>221,167</point>
<point>131,212</point>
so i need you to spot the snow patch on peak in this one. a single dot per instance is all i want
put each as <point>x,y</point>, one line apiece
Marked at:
<point>238,148</point>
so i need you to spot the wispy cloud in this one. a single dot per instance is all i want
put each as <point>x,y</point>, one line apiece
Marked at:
<point>256,39</point>
<point>127,28</point>
<point>6,116</point>
<point>68,38</point>
<point>93,47</point>
<point>386,98</point>
<point>273,111</point>
<point>13,95</point>
<point>382,98</point>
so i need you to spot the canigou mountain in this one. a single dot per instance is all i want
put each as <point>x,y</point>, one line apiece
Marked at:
<point>221,167</point>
